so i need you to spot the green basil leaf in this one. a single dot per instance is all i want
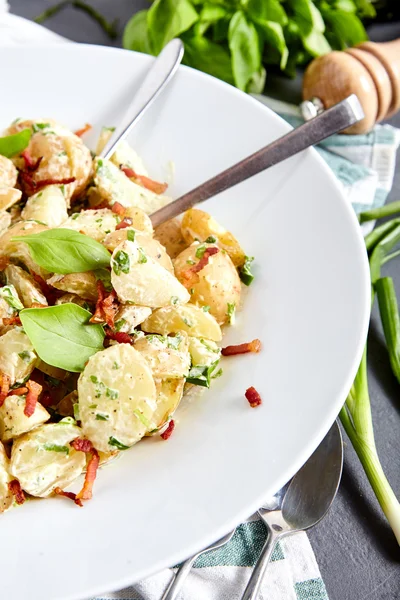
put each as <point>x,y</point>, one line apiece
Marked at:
<point>136,34</point>
<point>15,144</point>
<point>168,19</point>
<point>267,10</point>
<point>205,55</point>
<point>307,16</point>
<point>209,15</point>
<point>273,34</point>
<point>66,251</point>
<point>347,27</point>
<point>244,45</point>
<point>316,43</point>
<point>62,335</point>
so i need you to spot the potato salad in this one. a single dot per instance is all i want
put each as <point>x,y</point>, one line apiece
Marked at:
<point>104,322</point>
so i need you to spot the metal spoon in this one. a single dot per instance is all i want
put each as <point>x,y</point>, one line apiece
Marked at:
<point>176,584</point>
<point>160,73</point>
<point>307,500</point>
<point>335,119</point>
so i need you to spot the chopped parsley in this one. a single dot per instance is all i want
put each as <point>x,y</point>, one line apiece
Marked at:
<point>200,251</point>
<point>142,257</point>
<point>190,261</point>
<point>142,419</point>
<point>9,294</point>
<point>187,322</point>
<point>130,235</point>
<point>75,216</point>
<point>116,366</point>
<point>174,300</point>
<point>206,308</point>
<point>121,262</point>
<point>231,309</point>
<point>245,274</point>
<point>117,444</point>
<point>39,127</point>
<point>100,417</point>
<point>118,325</point>
<point>76,411</point>
<point>113,394</point>
<point>202,375</point>
<point>105,276</point>
<point>25,355</point>
<point>56,448</point>
<point>211,239</point>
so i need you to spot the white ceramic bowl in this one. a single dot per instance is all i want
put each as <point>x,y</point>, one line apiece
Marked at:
<point>309,305</point>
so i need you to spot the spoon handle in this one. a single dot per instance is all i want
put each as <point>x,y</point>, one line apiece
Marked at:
<point>160,73</point>
<point>176,584</point>
<point>254,584</point>
<point>331,121</point>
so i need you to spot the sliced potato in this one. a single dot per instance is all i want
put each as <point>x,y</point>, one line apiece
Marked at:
<point>117,398</point>
<point>130,316</point>
<point>105,134</point>
<point>125,155</point>
<point>43,459</point>
<point>8,172</point>
<point>17,357</point>
<point>6,497</point>
<point>10,295</point>
<point>204,353</point>
<point>27,289</point>
<point>169,395</point>
<point>81,284</point>
<point>189,318</point>
<point>140,220</point>
<point>151,247</point>
<point>47,206</point>
<point>13,422</point>
<point>114,186</point>
<point>216,285</point>
<point>94,223</point>
<point>74,299</point>
<point>169,234</point>
<point>8,197</point>
<point>168,357</point>
<point>198,225</point>
<point>6,312</point>
<point>5,221</point>
<point>19,250</point>
<point>138,278</point>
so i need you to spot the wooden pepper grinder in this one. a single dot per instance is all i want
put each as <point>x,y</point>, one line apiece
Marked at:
<point>370,70</point>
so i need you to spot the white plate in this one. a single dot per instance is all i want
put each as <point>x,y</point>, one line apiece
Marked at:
<point>309,305</point>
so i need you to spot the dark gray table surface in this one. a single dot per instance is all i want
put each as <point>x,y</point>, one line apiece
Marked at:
<point>355,548</point>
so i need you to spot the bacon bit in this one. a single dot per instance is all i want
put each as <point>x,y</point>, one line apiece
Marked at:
<point>253,397</point>
<point>81,132</point>
<point>14,320</point>
<point>254,346</point>
<point>69,495</point>
<point>15,488</point>
<point>126,222</point>
<point>146,182</point>
<point>190,277</point>
<point>5,383</point>
<point>118,209</point>
<point>34,186</point>
<point>91,472</point>
<point>31,164</point>
<point>19,392</point>
<point>119,336</point>
<point>98,316</point>
<point>82,445</point>
<point>34,391</point>
<point>46,399</point>
<point>4,262</point>
<point>168,432</point>
<point>50,293</point>
<point>106,306</point>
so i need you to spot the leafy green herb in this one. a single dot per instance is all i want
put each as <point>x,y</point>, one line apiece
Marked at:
<point>142,257</point>
<point>206,308</point>
<point>56,448</point>
<point>230,311</point>
<point>117,444</point>
<point>113,394</point>
<point>211,239</point>
<point>118,325</point>
<point>121,263</point>
<point>75,408</point>
<point>26,356</point>
<point>245,274</point>
<point>39,127</point>
<point>100,417</point>
<point>203,375</point>
<point>116,366</point>
<point>200,251</point>
<point>130,235</point>
<point>174,300</point>
<point>62,335</point>
<point>65,251</point>
<point>9,294</point>
<point>190,261</point>
<point>142,419</point>
<point>105,276</point>
<point>15,144</point>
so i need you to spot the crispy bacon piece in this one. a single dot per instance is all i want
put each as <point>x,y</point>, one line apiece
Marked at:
<point>146,182</point>
<point>69,495</point>
<point>126,222</point>
<point>46,399</point>
<point>33,185</point>
<point>19,391</point>
<point>168,432</point>
<point>14,320</point>
<point>106,306</point>
<point>118,209</point>
<point>82,445</point>
<point>91,472</point>
<point>98,316</point>
<point>5,382</point>
<point>31,164</point>
<point>83,130</point>
<point>253,397</point>
<point>190,276</point>
<point>4,262</point>
<point>50,293</point>
<point>254,346</point>
<point>34,391</point>
<point>119,336</point>
<point>15,488</point>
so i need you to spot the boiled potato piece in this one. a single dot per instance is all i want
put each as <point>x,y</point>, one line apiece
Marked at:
<point>117,398</point>
<point>74,299</point>
<point>81,284</point>
<point>5,221</point>
<point>169,234</point>
<point>6,312</point>
<point>47,206</point>
<point>140,220</point>
<point>43,459</point>
<point>130,316</point>
<point>114,186</point>
<point>13,422</point>
<point>216,285</point>
<point>198,225</point>
<point>17,357</point>
<point>10,295</point>
<point>189,318</point>
<point>168,357</point>
<point>138,278</point>
<point>105,134</point>
<point>204,353</point>
<point>125,155</point>
<point>151,247</point>
<point>19,250</point>
<point>169,395</point>
<point>6,497</point>
<point>94,223</point>
<point>27,289</point>
<point>8,173</point>
<point>9,197</point>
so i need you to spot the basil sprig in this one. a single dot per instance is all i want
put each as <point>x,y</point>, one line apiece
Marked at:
<point>15,144</point>
<point>62,335</point>
<point>65,251</point>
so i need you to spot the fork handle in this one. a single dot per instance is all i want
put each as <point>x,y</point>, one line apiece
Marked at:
<point>179,579</point>
<point>254,584</point>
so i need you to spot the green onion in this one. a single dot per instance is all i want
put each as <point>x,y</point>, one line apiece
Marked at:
<point>389,312</point>
<point>245,274</point>
<point>117,444</point>
<point>379,213</point>
<point>378,233</point>
<point>381,249</point>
